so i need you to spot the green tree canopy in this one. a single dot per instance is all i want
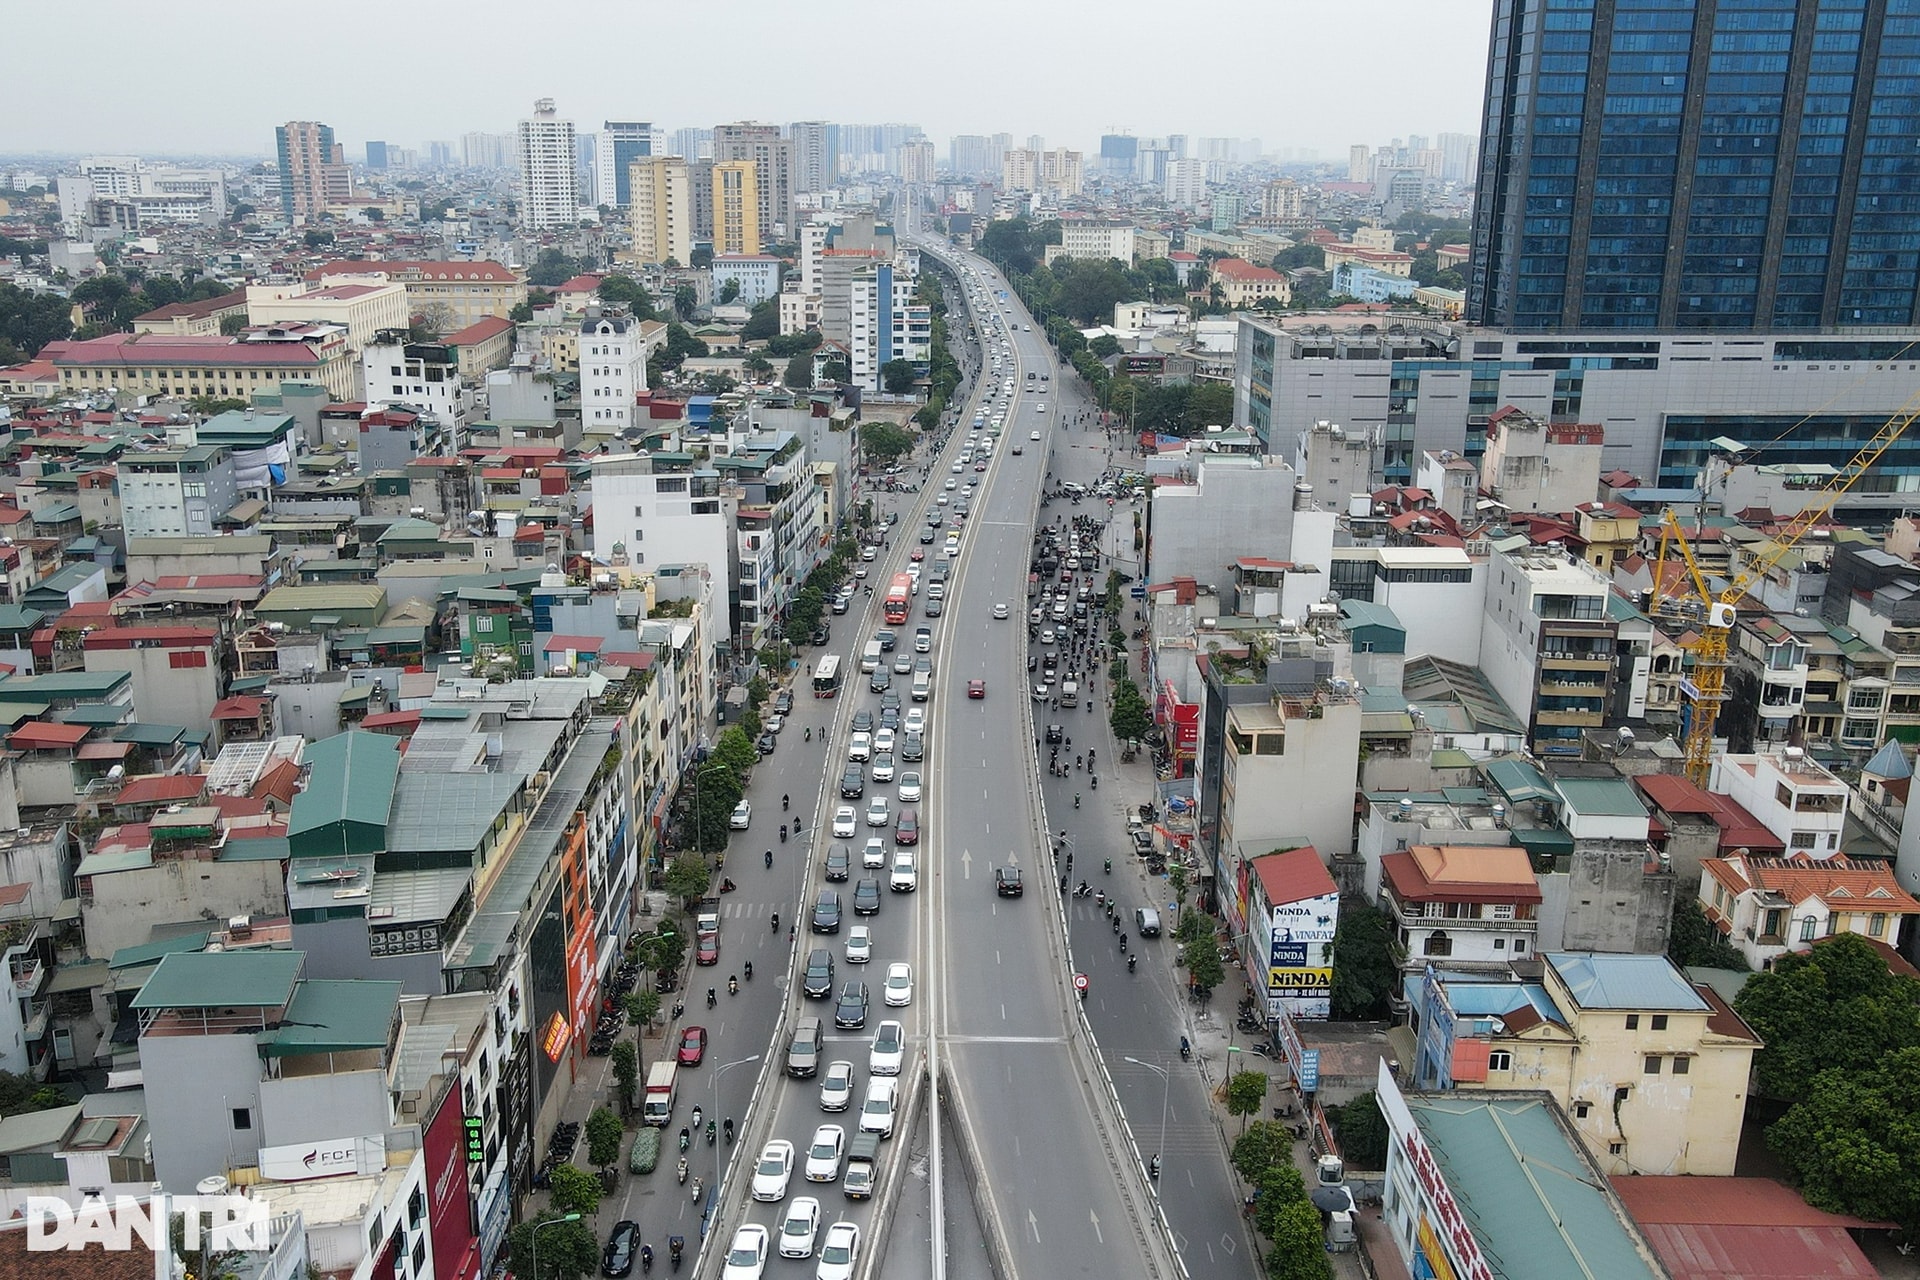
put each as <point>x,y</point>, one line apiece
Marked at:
<point>686,299</point>
<point>701,258</point>
<point>1105,345</point>
<point>729,291</point>
<point>566,1251</point>
<point>799,371</point>
<point>1364,972</point>
<point>629,292</point>
<point>1853,1142</point>
<point>689,878</point>
<point>1363,1132</point>
<point>719,791</point>
<point>897,376</point>
<point>1261,1145</point>
<point>551,268</point>
<point>763,322</point>
<point>1691,941</point>
<point>1836,1006</point>
<point>604,1132</point>
<point>884,443</point>
<point>1246,1093</point>
<point>29,321</point>
<point>1202,957</point>
<point>735,750</point>
<point>574,1191</point>
<point>835,370</point>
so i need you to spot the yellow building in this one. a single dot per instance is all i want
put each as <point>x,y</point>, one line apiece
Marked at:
<point>736,208</point>
<point>1611,531</point>
<point>193,319</point>
<point>362,308</point>
<point>224,368</point>
<point>468,291</point>
<point>662,208</point>
<point>1651,1069</point>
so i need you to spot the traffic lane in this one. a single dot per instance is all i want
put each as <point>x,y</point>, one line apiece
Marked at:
<point>1047,1170</point>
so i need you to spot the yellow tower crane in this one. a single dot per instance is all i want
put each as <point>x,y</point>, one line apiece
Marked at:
<point>1714,614</point>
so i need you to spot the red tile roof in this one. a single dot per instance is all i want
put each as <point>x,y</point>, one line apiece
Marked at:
<point>238,707</point>
<point>1739,829</point>
<point>558,643</point>
<point>1462,873</point>
<point>436,272</point>
<point>237,300</point>
<point>1840,884</point>
<point>1237,269</point>
<point>585,283</point>
<point>148,637</point>
<point>12,895</point>
<point>1708,1228</point>
<point>162,788</point>
<point>479,331</point>
<point>392,720</point>
<point>44,735</point>
<point>1293,876</point>
<point>133,350</point>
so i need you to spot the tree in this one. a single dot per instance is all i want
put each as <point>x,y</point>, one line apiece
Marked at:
<point>233,324</point>
<point>1246,1092</point>
<point>1691,941</point>
<point>1363,1131</point>
<point>628,292</point>
<point>1836,1006</point>
<point>575,1191</point>
<point>897,376</point>
<point>604,1132</point>
<point>758,367</point>
<point>835,370</point>
<point>688,879</point>
<point>799,372</point>
<point>763,321</point>
<point>213,405</point>
<point>1202,958</point>
<point>201,1261</point>
<point>566,1251</point>
<point>436,321</point>
<point>1105,345</point>
<point>1130,718</point>
<point>314,239</point>
<point>625,1060</point>
<point>1299,1249</point>
<point>784,345</point>
<point>1853,1143</point>
<point>1260,1146</point>
<point>719,791</point>
<point>552,267</point>
<point>729,291</point>
<point>701,258</point>
<point>884,443</point>
<point>1364,971</point>
<point>644,1006</point>
<point>29,321</point>
<point>685,300</point>
<point>735,750</point>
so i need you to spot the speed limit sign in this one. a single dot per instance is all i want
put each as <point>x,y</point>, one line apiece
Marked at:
<point>1080,983</point>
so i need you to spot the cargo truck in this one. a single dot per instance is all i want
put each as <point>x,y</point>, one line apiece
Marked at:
<point>658,1107</point>
<point>863,1166</point>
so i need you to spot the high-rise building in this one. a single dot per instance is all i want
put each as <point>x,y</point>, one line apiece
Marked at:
<point>376,155</point>
<point>313,169</point>
<point>1186,183</point>
<point>973,155</point>
<point>487,150</point>
<point>1359,163</point>
<point>772,159</point>
<point>736,207</point>
<point>661,205</point>
<point>549,197</point>
<point>700,193</point>
<point>816,154</point>
<point>694,144</point>
<point>1456,156</point>
<point>1649,165</point>
<point>1117,153</point>
<point>1059,171</point>
<point>1036,142</point>
<point>913,161</point>
<point>586,170</point>
<point>440,155</point>
<point>620,143</point>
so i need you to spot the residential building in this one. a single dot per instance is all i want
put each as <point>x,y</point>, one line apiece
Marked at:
<point>973,155</point>
<point>1652,1068</point>
<point>362,309</point>
<point>459,294</point>
<point>757,277</point>
<point>487,150</point>
<point>736,207</point>
<point>1794,796</point>
<point>913,160</point>
<point>613,370</point>
<point>1547,642</point>
<point>1057,173</point>
<point>656,510</point>
<point>1534,465</point>
<point>799,311</point>
<point>1242,284</point>
<point>771,156</point>
<point>1459,908</point>
<point>176,493</point>
<point>1369,284</point>
<point>885,324</point>
<point>1287,772</point>
<point>661,204</point>
<point>423,376</point>
<point>193,319</point>
<point>1290,909</point>
<point>1186,184</point>
<point>1767,907</point>
<point>236,368</point>
<point>620,143</point>
<point>176,670</point>
<point>314,175</point>
<point>1709,238</point>
<point>549,191</point>
<point>816,154</point>
<point>1094,241</point>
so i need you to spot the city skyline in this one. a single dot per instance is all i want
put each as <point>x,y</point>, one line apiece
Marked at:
<point>982,90</point>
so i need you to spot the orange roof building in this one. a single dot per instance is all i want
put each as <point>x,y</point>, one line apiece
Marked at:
<point>1766,907</point>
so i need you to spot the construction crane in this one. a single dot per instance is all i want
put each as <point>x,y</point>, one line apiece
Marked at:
<point>1714,614</point>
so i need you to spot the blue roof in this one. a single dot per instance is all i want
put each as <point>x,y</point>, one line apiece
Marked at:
<point>1607,981</point>
<point>1889,762</point>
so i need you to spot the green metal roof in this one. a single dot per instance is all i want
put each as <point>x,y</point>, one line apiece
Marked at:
<point>1597,797</point>
<point>96,713</point>
<point>62,684</point>
<point>153,952</point>
<point>255,849</point>
<point>351,781</point>
<point>1520,781</point>
<point>445,711</point>
<point>17,617</point>
<point>327,598</point>
<point>222,979</point>
<point>397,635</point>
<point>334,1016</point>
<point>1523,1179</point>
<point>101,864</point>
<point>151,735</point>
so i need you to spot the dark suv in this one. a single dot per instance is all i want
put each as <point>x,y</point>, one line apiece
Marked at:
<point>853,782</point>
<point>826,912</point>
<point>839,862</point>
<point>1007,882</point>
<point>818,984</point>
<point>850,1012</point>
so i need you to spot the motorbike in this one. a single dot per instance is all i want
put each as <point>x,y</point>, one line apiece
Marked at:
<point>1186,1049</point>
<point>733,986</point>
<point>769,859</point>
<point>776,920</point>
<point>1084,891</point>
<point>747,968</point>
<point>1076,799</point>
<point>712,998</point>
<point>1109,866</point>
<point>729,1130</point>
<point>1094,781</point>
<point>698,1187</point>
<point>685,1141</point>
<point>1153,1168</point>
<point>786,802</point>
<point>713,1132</point>
<point>783,833</point>
<point>1131,958</point>
<point>683,1170</point>
<point>1123,944</point>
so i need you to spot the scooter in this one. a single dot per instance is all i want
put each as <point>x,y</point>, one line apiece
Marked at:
<point>729,1130</point>
<point>713,1131</point>
<point>1131,959</point>
<point>698,1187</point>
<point>685,1141</point>
<point>683,1170</point>
<point>1186,1049</point>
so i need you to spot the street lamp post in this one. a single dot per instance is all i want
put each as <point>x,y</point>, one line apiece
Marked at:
<point>1166,1084</point>
<point>534,1236</point>
<point>719,1159</point>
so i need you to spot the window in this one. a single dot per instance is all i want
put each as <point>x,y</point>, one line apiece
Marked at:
<point>1580,1110</point>
<point>1807,927</point>
<point>1659,1022</point>
<point>187,659</point>
<point>1615,1148</point>
<point>1651,1066</point>
<point>1500,1060</point>
<point>1633,1022</point>
<point>1877,924</point>
<point>1681,1065</point>
<point>1621,1094</point>
<point>242,1118</point>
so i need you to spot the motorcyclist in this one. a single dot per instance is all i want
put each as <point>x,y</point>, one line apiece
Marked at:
<point>733,985</point>
<point>786,802</point>
<point>776,922</point>
<point>769,859</point>
<point>747,968</point>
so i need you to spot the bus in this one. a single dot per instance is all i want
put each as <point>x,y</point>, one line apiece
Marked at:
<point>898,597</point>
<point>826,676</point>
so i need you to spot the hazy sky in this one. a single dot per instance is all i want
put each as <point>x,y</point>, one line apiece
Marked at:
<point>217,75</point>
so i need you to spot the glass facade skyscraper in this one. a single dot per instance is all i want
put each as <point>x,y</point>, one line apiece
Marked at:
<point>1729,165</point>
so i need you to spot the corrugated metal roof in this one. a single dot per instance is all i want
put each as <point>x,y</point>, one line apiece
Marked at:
<point>336,1015</point>
<point>1600,981</point>
<point>222,979</point>
<point>1610,797</point>
<point>351,780</point>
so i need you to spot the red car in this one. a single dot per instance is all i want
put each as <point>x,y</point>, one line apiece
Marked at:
<point>906,829</point>
<point>693,1046</point>
<point>706,950</point>
<point>918,553</point>
<point>976,688</point>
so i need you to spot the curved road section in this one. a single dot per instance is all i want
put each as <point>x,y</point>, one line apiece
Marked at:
<point>1062,1195</point>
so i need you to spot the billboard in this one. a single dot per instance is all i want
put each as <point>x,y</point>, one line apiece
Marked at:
<point>456,1255</point>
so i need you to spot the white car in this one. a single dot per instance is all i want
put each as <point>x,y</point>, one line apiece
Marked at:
<point>775,1170</point>
<point>879,812</point>
<point>836,1087</point>
<point>845,822</point>
<point>906,876</point>
<point>859,944</point>
<point>916,721</point>
<point>742,816</point>
<point>839,1253</point>
<point>823,1155</point>
<point>883,740</point>
<point>909,788</point>
<point>876,1113</point>
<point>1033,435</point>
<point>747,1255</point>
<point>899,984</point>
<point>889,1049</point>
<point>952,484</point>
<point>1000,611</point>
<point>883,766</point>
<point>874,855</point>
<point>797,1233</point>
<point>860,747</point>
<point>957,468</point>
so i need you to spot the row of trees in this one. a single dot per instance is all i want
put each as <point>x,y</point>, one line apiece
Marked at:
<point>943,371</point>
<point>29,321</point>
<point>810,604</point>
<point>1283,1212</point>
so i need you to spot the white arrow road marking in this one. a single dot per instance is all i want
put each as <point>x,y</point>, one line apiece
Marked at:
<point>1095,1219</point>
<point>1033,1225</point>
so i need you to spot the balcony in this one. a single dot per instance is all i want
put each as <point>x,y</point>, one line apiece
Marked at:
<point>1579,660</point>
<point>1578,719</point>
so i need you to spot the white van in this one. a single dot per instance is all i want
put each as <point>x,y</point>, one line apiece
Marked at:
<point>922,686</point>
<point>870,658</point>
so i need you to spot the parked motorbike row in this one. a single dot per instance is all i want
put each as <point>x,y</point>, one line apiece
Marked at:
<point>566,1136</point>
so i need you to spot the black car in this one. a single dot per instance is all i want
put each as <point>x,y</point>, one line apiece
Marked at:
<point>889,699</point>
<point>863,722</point>
<point>839,862</point>
<point>926,537</point>
<point>931,608</point>
<point>1007,882</point>
<point>851,1011</point>
<point>783,703</point>
<point>821,635</point>
<point>886,638</point>
<point>623,1245</point>
<point>889,717</point>
<point>866,897</point>
<point>881,680</point>
<point>913,748</point>
<point>853,782</point>
<point>818,983</point>
<point>766,744</point>
<point>826,912</point>
<point>1054,734</point>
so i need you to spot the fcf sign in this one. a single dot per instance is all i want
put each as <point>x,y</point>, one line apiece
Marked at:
<point>225,1222</point>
